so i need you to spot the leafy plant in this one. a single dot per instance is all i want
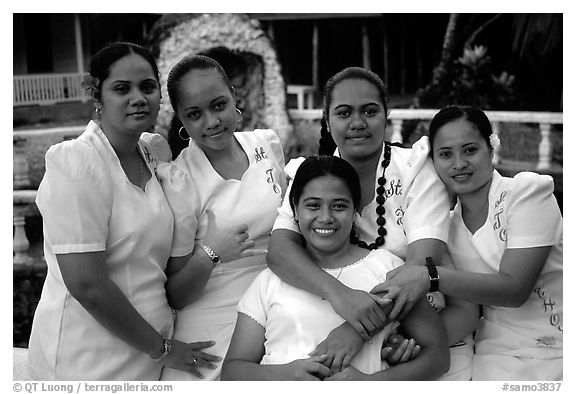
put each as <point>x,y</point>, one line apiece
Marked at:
<point>469,80</point>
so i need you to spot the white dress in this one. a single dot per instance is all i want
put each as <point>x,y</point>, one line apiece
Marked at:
<point>296,321</point>
<point>522,343</point>
<point>417,207</point>
<point>192,187</point>
<point>89,205</point>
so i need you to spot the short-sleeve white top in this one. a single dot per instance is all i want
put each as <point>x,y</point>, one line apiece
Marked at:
<point>89,205</point>
<point>523,213</point>
<point>417,204</point>
<point>193,187</point>
<point>296,321</point>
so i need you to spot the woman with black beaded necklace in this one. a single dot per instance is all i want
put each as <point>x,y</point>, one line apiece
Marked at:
<point>405,209</point>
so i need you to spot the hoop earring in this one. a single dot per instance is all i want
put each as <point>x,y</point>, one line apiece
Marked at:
<point>180,133</point>
<point>239,112</point>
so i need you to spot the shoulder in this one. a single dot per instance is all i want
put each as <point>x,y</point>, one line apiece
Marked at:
<point>157,145</point>
<point>414,158</point>
<point>532,181</point>
<point>77,158</point>
<point>265,137</point>
<point>528,185</point>
<point>265,282</point>
<point>292,166</point>
<point>380,256</point>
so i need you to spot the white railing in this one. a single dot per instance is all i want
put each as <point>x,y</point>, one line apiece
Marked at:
<point>397,117</point>
<point>47,89</point>
<point>304,95</point>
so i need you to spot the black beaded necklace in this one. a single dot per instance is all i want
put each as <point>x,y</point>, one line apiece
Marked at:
<point>380,210</point>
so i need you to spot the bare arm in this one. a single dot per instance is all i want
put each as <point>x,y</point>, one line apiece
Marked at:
<point>86,279</point>
<point>460,317</point>
<point>424,325</point>
<point>188,275</point>
<point>246,350</point>
<point>510,287</point>
<point>406,296</point>
<point>288,259</point>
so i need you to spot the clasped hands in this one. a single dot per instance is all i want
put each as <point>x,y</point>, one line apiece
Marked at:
<point>336,352</point>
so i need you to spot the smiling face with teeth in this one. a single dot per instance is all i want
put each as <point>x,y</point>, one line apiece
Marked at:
<point>462,157</point>
<point>325,213</point>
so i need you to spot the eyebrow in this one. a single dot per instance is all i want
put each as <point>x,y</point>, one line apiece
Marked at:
<point>450,147</point>
<point>211,101</point>
<point>363,105</point>
<point>127,81</point>
<point>335,199</point>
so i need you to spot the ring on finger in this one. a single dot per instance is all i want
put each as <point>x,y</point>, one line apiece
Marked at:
<point>194,361</point>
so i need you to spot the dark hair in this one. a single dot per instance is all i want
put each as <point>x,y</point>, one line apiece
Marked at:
<point>322,165</point>
<point>327,144</point>
<point>454,112</point>
<point>103,60</point>
<point>188,64</point>
<point>181,69</point>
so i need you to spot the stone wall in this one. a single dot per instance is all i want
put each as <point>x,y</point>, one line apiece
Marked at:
<point>201,33</point>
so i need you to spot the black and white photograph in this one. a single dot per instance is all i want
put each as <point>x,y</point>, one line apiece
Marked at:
<point>288,196</point>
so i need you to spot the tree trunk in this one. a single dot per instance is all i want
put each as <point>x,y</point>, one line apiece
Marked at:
<point>449,46</point>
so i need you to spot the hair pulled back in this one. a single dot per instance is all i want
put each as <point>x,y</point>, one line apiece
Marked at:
<point>321,165</point>
<point>454,112</point>
<point>102,61</point>
<point>184,66</point>
<point>327,144</point>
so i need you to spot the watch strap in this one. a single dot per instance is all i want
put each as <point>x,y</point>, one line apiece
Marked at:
<point>432,275</point>
<point>167,349</point>
<point>210,252</point>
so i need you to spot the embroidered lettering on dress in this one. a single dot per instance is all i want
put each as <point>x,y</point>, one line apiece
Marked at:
<point>260,154</point>
<point>501,198</point>
<point>502,234</point>
<point>400,213</point>
<point>270,180</point>
<point>548,305</point>
<point>147,155</point>
<point>394,189</point>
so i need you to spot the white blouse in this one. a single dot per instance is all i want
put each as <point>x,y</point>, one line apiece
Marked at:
<point>417,204</point>
<point>522,213</point>
<point>296,321</point>
<point>89,205</point>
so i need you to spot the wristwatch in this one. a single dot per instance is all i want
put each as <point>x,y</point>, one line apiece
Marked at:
<point>167,349</point>
<point>213,256</point>
<point>433,275</point>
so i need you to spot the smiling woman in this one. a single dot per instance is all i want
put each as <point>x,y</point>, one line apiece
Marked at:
<point>225,178</point>
<point>279,327</point>
<point>103,313</point>
<point>404,210</point>
<point>506,244</point>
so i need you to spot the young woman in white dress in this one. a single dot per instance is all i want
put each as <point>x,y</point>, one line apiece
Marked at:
<point>103,313</point>
<point>279,325</point>
<point>404,209</point>
<point>226,179</point>
<point>506,244</point>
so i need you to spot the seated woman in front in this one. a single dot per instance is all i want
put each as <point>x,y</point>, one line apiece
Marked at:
<point>279,325</point>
